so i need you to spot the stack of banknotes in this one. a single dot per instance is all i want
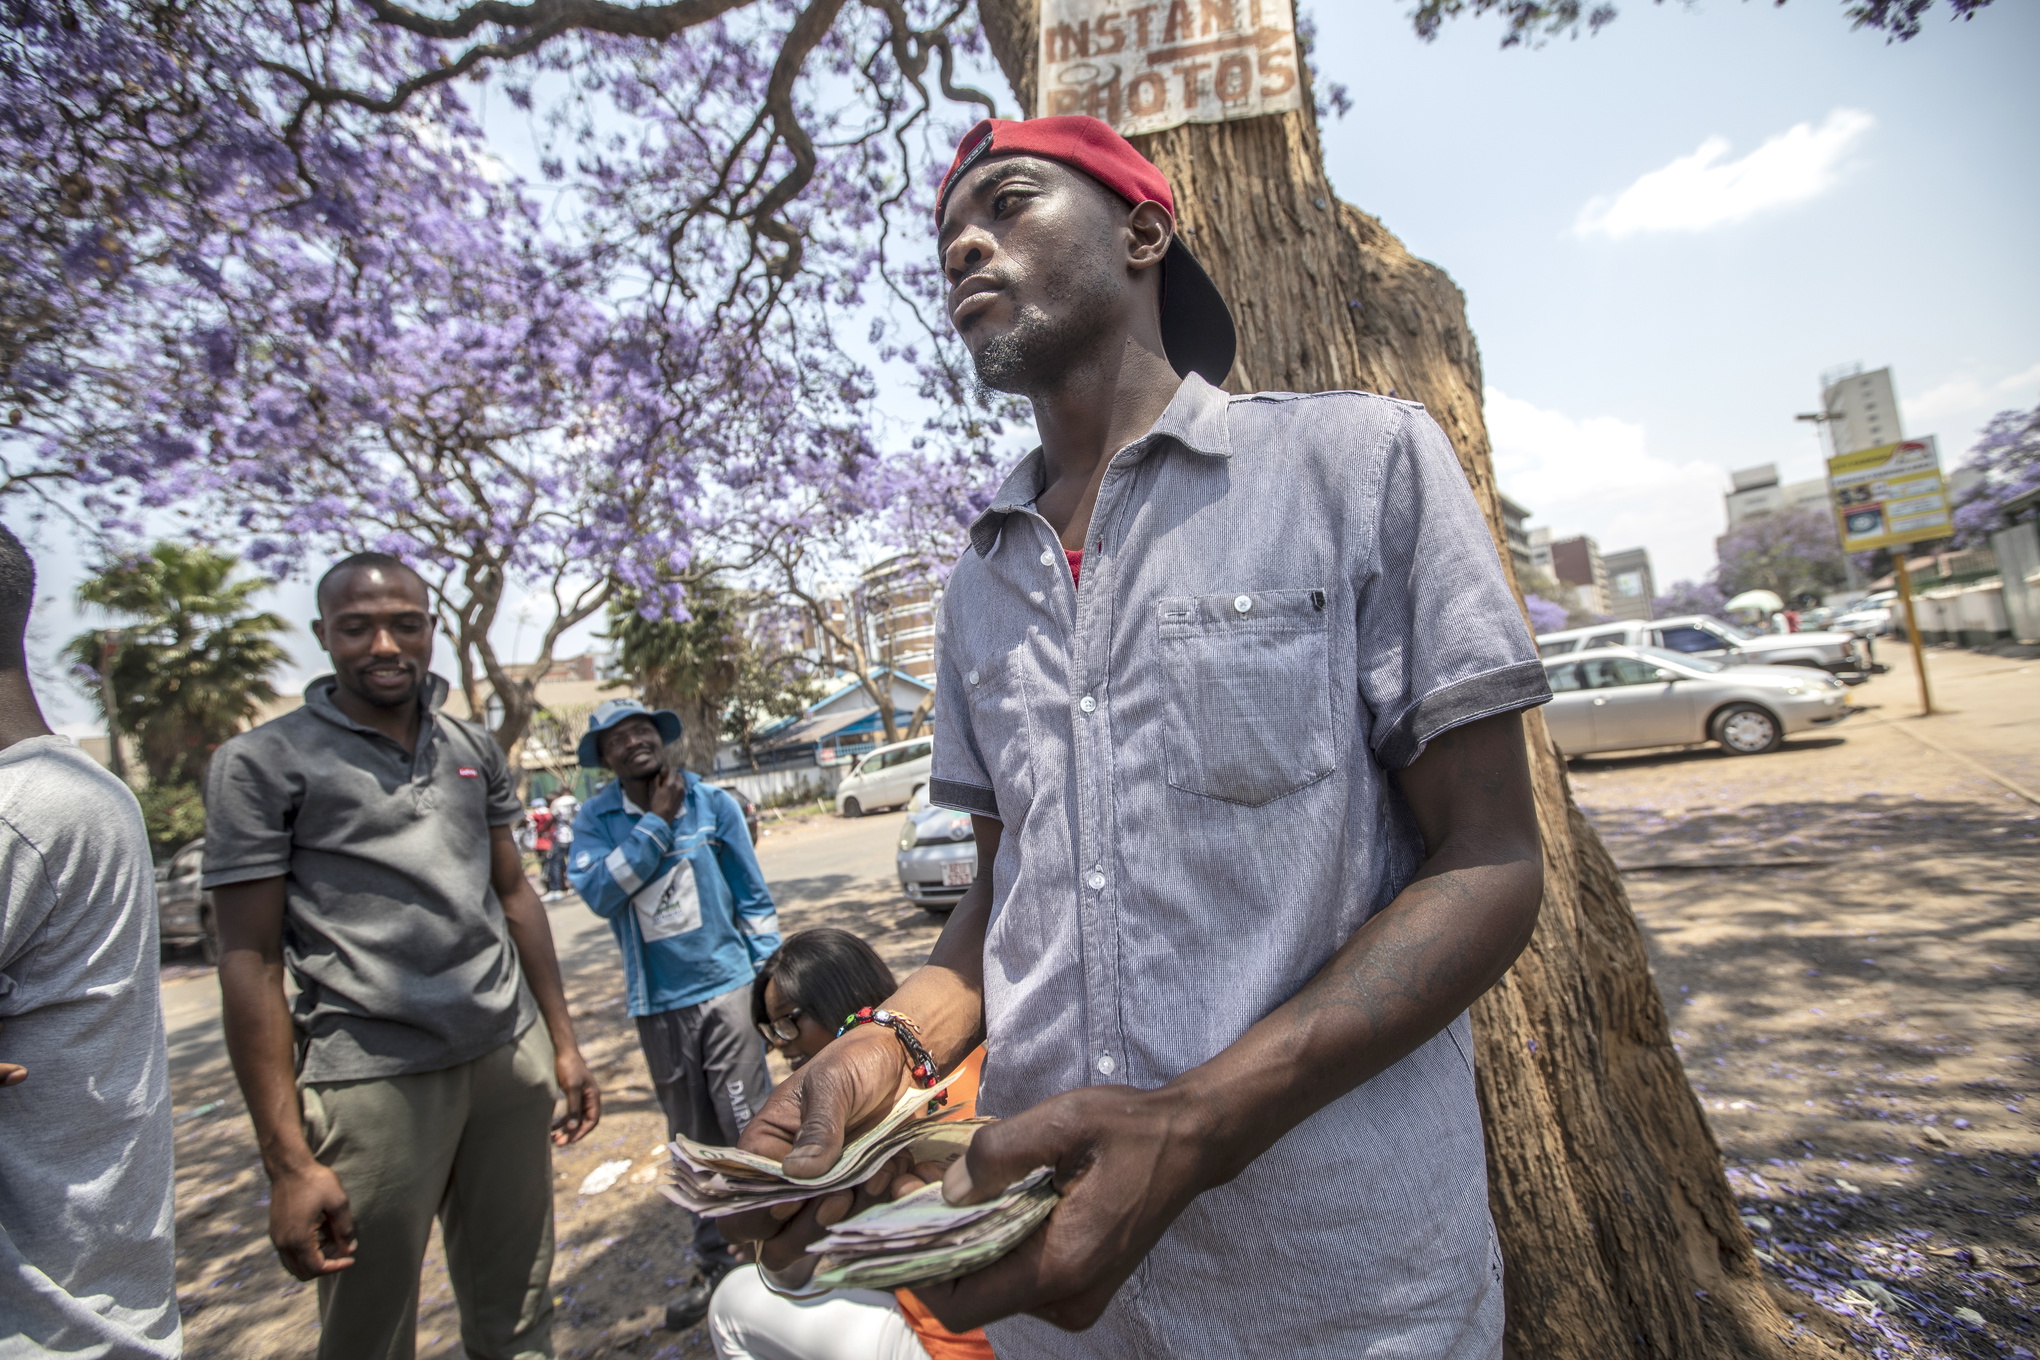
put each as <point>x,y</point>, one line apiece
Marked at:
<point>718,1181</point>
<point>921,1238</point>
<point>917,1239</point>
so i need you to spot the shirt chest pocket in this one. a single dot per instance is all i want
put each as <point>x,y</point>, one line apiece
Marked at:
<point>1247,698</point>
<point>998,718</point>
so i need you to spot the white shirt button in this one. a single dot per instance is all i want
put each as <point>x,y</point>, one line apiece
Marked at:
<point>1096,880</point>
<point>1048,557</point>
<point>1242,603</point>
<point>1088,704</point>
<point>972,677</point>
<point>1105,1063</point>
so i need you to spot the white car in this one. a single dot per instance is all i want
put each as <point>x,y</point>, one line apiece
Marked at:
<point>1622,698</point>
<point>1865,621</point>
<point>887,777</point>
<point>1840,654</point>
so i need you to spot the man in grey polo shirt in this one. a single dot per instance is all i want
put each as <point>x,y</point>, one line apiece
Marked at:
<point>1231,687</point>
<point>365,843</point>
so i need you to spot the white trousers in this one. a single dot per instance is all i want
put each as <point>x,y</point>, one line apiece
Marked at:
<point>749,1322</point>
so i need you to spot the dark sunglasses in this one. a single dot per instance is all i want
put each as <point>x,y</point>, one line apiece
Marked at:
<point>782,1029</point>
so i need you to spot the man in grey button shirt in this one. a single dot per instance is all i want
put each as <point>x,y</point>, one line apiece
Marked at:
<point>365,842</point>
<point>1253,815</point>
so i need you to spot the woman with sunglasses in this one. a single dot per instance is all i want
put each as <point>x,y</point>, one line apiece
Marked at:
<point>801,997</point>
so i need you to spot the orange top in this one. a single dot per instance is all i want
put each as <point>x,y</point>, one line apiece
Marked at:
<point>937,1340</point>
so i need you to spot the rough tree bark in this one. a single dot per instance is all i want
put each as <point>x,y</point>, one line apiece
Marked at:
<point>1619,1232</point>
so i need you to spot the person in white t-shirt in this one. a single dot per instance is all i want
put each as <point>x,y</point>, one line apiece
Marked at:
<point>87,1262</point>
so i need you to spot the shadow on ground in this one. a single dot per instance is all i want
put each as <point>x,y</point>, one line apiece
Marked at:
<point>1850,982</point>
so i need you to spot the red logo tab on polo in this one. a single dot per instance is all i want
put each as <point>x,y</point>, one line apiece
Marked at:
<point>469,772</point>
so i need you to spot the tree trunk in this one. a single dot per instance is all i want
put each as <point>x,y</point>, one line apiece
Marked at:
<point>1618,1229</point>
<point>700,723</point>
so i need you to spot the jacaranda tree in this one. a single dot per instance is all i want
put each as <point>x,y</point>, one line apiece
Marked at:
<point>2007,458</point>
<point>407,356</point>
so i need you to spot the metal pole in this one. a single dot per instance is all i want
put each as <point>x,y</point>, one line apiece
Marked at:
<point>1912,627</point>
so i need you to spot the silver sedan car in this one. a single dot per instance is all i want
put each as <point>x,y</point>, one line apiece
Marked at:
<point>1621,698</point>
<point>938,854</point>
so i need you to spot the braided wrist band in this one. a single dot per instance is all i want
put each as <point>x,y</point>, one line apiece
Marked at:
<point>920,1064</point>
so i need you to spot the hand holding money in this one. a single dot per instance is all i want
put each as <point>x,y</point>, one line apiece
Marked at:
<point>804,1127</point>
<point>1123,1165</point>
<point>921,1238</point>
<point>718,1182</point>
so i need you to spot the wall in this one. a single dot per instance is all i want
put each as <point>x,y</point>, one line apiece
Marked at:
<point>1965,616</point>
<point>2018,557</point>
<point>771,785</point>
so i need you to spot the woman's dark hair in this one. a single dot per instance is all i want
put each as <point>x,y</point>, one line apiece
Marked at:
<point>828,973</point>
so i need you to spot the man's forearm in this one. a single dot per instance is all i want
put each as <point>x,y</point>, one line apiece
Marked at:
<point>262,1045</point>
<point>531,932</point>
<point>946,997</point>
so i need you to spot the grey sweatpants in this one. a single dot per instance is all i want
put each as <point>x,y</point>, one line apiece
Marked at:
<point>707,1063</point>
<point>470,1145</point>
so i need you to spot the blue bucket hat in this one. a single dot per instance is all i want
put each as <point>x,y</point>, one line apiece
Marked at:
<point>610,712</point>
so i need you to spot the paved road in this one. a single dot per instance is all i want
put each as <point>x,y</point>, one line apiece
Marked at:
<point>814,867</point>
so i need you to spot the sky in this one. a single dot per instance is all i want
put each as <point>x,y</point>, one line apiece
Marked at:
<point>1665,233</point>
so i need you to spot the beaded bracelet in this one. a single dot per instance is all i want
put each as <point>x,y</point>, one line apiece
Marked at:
<point>923,1067</point>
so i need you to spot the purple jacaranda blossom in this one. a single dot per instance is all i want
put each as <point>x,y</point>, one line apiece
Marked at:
<point>310,325</point>
<point>1545,616</point>
<point>2007,455</point>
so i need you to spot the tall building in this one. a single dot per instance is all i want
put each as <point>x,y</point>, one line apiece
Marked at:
<point>1861,409</point>
<point>1513,516</point>
<point>1582,576</point>
<point>1758,492</point>
<point>899,602</point>
<point>1631,586</point>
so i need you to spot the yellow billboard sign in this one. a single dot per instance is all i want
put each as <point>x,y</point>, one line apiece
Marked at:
<point>1890,495</point>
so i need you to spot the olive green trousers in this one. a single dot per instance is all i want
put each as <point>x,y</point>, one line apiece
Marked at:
<point>468,1145</point>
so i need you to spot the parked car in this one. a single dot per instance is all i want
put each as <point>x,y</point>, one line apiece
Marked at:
<point>1870,619</point>
<point>1841,654</point>
<point>938,854</point>
<point>184,911</point>
<point>750,808</point>
<point>1622,698</point>
<point>887,777</point>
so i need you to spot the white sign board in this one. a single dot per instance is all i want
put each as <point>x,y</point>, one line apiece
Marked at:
<point>1890,495</point>
<point>1145,67</point>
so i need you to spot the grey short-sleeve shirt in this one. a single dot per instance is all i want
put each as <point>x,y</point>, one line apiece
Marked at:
<point>392,928</point>
<point>1284,598</point>
<point>88,1261</point>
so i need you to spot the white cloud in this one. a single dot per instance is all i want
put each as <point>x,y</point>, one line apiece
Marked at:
<point>1704,190</point>
<point>1957,408</point>
<point>1597,476</point>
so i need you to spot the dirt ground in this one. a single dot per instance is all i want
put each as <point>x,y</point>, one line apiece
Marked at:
<point>1843,931</point>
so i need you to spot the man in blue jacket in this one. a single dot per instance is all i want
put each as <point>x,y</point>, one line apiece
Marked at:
<point>667,861</point>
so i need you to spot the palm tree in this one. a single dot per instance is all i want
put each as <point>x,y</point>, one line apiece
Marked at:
<point>191,661</point>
